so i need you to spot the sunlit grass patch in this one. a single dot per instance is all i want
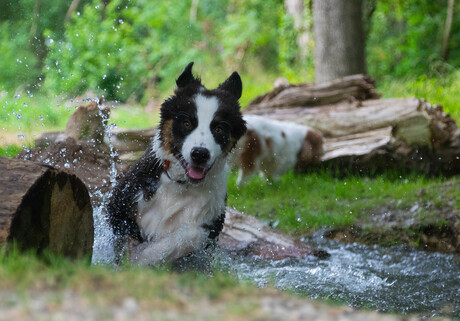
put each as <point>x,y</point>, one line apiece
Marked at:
<point>441,90</point>
<point>10,150</point>
<point>29,112</point>
<point>133,117</point>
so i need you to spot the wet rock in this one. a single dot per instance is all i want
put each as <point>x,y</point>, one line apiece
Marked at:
<point>246,235</point>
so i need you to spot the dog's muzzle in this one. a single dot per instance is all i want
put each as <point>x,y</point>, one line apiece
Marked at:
<point>200,157</point>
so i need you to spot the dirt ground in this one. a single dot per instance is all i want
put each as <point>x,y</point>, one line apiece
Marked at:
<point>268,305</point>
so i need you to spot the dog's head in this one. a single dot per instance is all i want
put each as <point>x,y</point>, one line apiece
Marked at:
<point>199,127</point>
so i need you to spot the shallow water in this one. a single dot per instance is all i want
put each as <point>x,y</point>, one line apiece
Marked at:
<point>392,279</point>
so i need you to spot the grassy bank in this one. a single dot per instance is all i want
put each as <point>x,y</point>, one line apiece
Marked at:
<point>303,203</point>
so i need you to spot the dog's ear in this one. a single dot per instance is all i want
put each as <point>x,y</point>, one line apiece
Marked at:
<point>233,85</point>
<point>186,78</point>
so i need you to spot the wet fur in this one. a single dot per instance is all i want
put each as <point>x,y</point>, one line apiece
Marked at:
<point>169,213</point>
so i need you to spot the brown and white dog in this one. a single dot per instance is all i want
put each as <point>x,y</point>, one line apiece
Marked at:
<point>272,148</point>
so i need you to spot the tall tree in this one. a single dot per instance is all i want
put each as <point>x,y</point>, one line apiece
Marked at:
<point>447,29</point>
<point>340,41</point>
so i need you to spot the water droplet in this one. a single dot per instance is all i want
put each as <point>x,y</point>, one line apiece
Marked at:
<point>17,96</point>
<point>67,165</point>
<point>120,21</point>
<point>76,35</point>
<point>40,117</point>
<point>78,13</point>
<point>105,76</point>
<point>25,104</point>
<point>47,67</point>
<point>21,136</point>
<point>18,116</point>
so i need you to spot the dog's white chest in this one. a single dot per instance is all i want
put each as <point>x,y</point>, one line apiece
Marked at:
<point>179,209</point>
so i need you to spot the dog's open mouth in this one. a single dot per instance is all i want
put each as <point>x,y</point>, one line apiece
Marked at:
<point>196,173</point>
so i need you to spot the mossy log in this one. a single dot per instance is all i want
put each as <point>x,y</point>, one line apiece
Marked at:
<point>42,208</point>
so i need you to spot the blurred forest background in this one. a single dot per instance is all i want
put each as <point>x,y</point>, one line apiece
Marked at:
<point>132,50</point>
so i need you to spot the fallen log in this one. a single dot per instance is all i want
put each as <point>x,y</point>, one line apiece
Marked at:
<point>355,87</point>
<point>44,208</point>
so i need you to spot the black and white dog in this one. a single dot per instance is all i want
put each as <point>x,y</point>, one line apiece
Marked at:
<point>172,201</point>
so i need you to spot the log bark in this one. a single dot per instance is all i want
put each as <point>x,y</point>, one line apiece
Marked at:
<point>44,208</point>
<point>355,87</point>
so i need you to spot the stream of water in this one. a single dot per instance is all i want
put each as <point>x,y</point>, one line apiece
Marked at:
<point>391,279</point>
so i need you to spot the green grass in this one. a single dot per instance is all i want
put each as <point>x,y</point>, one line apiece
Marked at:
<point>304,202</point>
<point>25,272</point>
<point>10,150</point>
<point>441,90</point>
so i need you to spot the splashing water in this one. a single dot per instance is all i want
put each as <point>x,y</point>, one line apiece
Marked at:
<point>103,248</point>
<point>392,279</point>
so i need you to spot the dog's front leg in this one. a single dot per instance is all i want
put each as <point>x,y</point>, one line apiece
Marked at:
<point>171,247</point>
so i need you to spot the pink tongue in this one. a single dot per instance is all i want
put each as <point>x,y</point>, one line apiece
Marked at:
<point>195,173</point>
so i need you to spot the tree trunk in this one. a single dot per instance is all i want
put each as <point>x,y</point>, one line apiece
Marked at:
<point>194,10</point>
<point>44,208</point>
<point>295,8</point>
<point>447,29</point>
<point>73,6</point>
<point>340,43</point>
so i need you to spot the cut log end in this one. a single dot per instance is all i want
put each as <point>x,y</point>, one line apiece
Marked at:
<point>44,209</point>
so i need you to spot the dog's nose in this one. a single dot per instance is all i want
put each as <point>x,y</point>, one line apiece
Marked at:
<point>200,155</point>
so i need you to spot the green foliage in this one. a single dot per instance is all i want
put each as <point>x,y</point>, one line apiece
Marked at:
<point>406,38</point>
<point>10,150</point>
<point>18,64</point>
<point>22,42</point>
<point>121,50</point>
<point>440,90</point>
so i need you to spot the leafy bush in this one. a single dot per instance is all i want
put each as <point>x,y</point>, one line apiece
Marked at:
<point>406,38</point>
<point>18,64</point>
<point>120,50</point>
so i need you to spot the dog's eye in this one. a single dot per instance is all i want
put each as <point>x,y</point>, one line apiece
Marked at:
<point>218,130</point>
<point>187,124</point>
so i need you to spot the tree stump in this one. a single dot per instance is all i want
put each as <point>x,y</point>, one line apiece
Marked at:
<point>44,208</point>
